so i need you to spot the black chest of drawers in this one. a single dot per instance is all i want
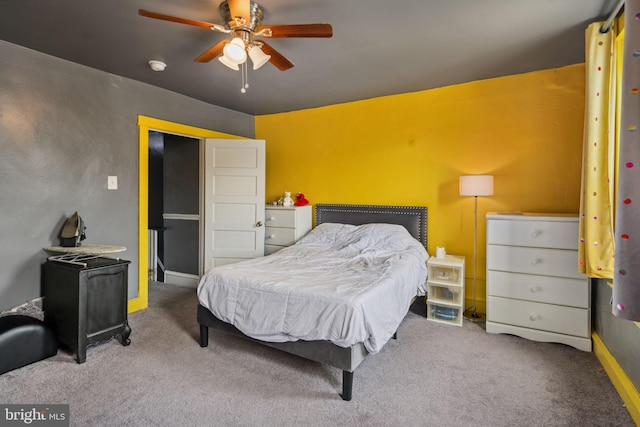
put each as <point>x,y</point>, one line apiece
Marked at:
<point>86,304</point>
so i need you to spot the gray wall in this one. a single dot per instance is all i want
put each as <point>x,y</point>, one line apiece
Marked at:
<point>622,337</point>
<point>181,175</point>
<point>63,129</point>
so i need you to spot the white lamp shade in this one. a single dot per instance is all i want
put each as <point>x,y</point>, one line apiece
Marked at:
<point>258,57</point>
<point>228,63</point>
<point>476,185</point>
<point>234,51</point>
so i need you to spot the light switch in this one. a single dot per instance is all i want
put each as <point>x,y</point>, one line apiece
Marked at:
<point>112,183</point>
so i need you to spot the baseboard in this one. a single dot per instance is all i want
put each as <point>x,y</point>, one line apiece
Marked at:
<point>181,279</point>
<point>136,304</point>
<point>623,385</point>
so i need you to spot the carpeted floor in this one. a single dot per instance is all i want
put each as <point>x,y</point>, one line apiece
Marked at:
<point>432,375</point>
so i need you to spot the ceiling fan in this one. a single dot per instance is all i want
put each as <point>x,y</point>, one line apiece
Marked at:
<point>243,21</point>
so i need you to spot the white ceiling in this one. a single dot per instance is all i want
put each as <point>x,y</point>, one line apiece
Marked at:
<point>379,47</point>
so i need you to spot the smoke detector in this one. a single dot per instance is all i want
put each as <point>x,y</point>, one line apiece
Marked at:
<point>157,65</point>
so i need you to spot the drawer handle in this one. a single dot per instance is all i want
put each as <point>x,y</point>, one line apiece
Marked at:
<point>534,317</point>
<point>535,289</point>
<point>535,261</point>
<point>272,236</point>
<point>272,218</point>
<point>536,233</point>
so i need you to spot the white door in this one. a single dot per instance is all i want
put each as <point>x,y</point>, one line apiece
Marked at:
<point>234,200</point>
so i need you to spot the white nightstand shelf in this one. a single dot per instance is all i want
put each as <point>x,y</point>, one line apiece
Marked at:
<point>445,289</point>
<point>285,226</point>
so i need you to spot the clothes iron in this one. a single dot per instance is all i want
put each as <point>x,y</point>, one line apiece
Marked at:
<point>73,232</point>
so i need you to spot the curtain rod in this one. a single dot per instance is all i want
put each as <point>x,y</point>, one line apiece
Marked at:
<point>614,13</point>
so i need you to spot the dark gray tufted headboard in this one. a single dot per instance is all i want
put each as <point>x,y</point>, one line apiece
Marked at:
<point>413,218</point>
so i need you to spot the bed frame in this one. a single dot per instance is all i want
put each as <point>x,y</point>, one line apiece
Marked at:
<point>413,218</point>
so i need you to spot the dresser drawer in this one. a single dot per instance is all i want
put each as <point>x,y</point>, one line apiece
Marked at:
<point>547,262</point>
<point>279,236</point>
<point>534,315</point>
<point>554,290</point>
<point>280,217</point>
<point>540,234</point>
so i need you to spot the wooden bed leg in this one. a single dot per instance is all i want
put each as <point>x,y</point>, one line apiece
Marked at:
<point>347,385</point>
<point>204,336</point>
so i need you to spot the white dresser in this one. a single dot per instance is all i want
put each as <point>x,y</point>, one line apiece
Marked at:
<point>284,226</point>
<point>534,289</point>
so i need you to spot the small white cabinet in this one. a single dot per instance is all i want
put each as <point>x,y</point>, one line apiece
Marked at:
<point>534,289</point>
<point>445,289</point>
<point>285,226</point>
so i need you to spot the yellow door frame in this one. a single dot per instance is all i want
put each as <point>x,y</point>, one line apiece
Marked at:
<point>145,124</point>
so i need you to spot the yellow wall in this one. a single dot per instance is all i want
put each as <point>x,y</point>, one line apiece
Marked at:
<point>410,149</point>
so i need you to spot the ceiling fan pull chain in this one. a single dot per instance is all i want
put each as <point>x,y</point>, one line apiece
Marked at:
<point>245,84</point>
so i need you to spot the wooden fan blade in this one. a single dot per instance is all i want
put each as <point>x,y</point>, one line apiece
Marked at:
<point>282,63</point>
<point>155,15</point>
<point>240,9</point>
<point>212,53</point>
<point>299,30</point>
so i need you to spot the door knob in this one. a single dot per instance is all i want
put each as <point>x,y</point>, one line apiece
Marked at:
<point>259,224</point>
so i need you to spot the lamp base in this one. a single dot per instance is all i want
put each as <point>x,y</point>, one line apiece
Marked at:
<point>472,315</point>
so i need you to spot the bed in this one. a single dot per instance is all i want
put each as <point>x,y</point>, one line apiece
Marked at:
<point>221,295</point>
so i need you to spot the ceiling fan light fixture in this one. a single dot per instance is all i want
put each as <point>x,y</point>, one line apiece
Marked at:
<point>235,51</point>
<point>243,21</point>
<point>228,63</point>
<point>258,57</point>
